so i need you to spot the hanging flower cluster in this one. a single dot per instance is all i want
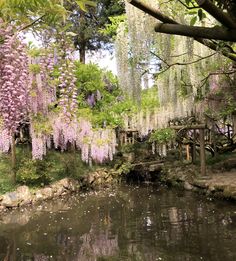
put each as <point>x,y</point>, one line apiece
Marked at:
<point>98,145</point>
<point>43,91</point>
<point>64,131</point>
<point>5,140</point>
<point>103,145</point>
<point>14,82</point>
<point>42,95</point>
<point>68,89</point>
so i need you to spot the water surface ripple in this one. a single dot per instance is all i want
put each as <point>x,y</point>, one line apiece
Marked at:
<point>122,223</point>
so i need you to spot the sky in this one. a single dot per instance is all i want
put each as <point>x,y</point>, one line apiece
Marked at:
<point>103,59</point>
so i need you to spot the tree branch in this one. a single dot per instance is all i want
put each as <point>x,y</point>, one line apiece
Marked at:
<point>217,33</point>
<point>216,73</point>
<point>217,13</point>
<point>31,24</point>
<point>165,19</point>
<point>151,11</point>
<point>178,63</point>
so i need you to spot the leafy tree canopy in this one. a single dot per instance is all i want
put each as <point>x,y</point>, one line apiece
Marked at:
<point>87,25</point>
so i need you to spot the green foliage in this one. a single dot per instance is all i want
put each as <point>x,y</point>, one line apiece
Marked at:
<point>66,164</point>
<point>82,4</point>
<point>34,172</point>
<point>162,135</point>
<point>90,80</point>
<point>34,68</point>
<point>110,29</point>
<point>125,168</point>
<point>6,182</point>
<point>24,11</point>
<point>54,167</point>
<point>41,124</point>
<point>113,105</point>
<point>87,26</point>
<point>149,99</point>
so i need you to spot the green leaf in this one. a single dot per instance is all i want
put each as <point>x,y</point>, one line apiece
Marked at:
<point>193,20</point>
<point>200,14</point>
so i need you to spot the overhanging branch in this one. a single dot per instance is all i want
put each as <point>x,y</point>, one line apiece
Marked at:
<point>217,13</point>
<point>165,19</point>
<point>217,33</point>
<point>151,11</point>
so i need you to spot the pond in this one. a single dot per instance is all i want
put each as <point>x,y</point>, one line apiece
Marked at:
<point>127,222</point>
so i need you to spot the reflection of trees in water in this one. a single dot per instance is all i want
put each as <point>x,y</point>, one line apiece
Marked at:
<point>176,224</point>
<point>98,244</point>
<point>131,224</point>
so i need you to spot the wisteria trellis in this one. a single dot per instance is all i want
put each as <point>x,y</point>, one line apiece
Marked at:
<point>25,94</point>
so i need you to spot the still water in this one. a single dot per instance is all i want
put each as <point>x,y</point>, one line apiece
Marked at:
<point>122,223</point>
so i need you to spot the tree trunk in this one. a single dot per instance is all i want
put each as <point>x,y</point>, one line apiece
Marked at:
<point>13,157</point>
<point>82,53</point>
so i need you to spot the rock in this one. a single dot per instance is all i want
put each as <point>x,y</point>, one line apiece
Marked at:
<point>64,186</point>
<point>21,196</point>
<point>156,167</point>
<point>130,157</point>
<point>98,181</point>
<point>211,188</point>
<point>25,194</point>
<point>90,179</point>
<point>11,199</point>
<point>187,186</point>
<point>2,208</point>
<point>47,193</point>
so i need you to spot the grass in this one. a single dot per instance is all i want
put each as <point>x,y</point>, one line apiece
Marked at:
<point>6,178</point>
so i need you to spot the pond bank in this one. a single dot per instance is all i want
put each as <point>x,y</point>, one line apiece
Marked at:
<point>219,183</point>
<point>23,195</point>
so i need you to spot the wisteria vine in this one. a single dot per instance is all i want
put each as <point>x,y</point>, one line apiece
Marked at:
<point>14,82</point>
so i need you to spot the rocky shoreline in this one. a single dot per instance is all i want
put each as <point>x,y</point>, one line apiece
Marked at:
<point>217,184</point>
<point>24,196</point>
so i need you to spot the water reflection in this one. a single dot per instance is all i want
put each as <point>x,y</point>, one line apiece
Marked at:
<point>126,223</point>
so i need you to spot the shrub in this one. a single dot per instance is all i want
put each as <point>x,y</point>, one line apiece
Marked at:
<point>34,172</point>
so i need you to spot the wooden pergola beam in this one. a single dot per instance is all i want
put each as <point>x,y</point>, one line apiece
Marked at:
<point>217,33</point>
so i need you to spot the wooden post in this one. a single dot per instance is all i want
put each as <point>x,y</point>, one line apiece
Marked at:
<point>187,152</point>
<point>214,138</point>
<point>202,152</point>
<point>194,155</point>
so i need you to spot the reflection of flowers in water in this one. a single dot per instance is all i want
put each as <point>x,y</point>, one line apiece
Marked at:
<point>173,216</point>
<point>97,244</point>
